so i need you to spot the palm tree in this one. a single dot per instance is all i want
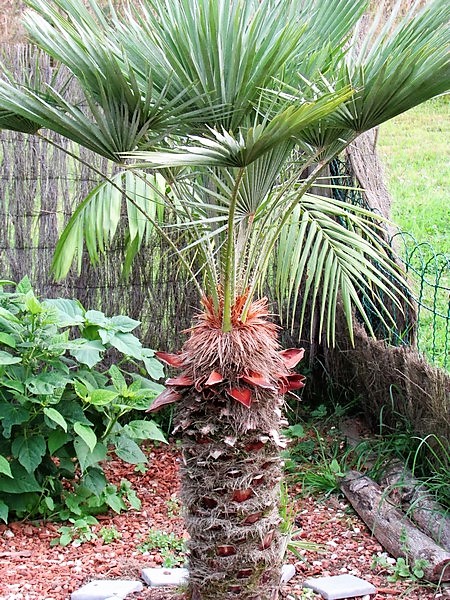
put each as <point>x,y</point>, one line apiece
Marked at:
<point>215,109</point>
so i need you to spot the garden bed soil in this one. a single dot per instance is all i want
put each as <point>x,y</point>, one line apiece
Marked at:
<point>31,569</point>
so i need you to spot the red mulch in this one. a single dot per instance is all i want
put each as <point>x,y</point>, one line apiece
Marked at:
<point>31,569</point>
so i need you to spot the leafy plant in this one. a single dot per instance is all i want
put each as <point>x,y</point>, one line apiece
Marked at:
<point>62,409</point>
<point>287,528</point>
<point>79,532</point>
<point>173,506</point>
<point>171,548</point>
<point>322,459</point>
<point>109,534</point>
<point>399,568</point>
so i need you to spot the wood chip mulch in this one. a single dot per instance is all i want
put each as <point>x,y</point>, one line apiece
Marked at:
<point>31,569</point>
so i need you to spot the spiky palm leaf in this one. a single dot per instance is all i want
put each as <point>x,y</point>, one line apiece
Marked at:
<point>217,95</point>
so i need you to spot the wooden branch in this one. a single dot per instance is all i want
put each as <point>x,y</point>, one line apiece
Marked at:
<point>413,498</point>
<point>395,532</point>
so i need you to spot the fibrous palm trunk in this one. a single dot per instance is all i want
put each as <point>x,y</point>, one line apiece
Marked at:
<point>230,396</point>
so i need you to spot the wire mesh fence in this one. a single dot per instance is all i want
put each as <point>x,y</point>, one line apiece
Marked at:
<point>428,275</point>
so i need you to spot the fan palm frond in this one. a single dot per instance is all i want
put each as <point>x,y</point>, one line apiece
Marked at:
<point>230,100</point>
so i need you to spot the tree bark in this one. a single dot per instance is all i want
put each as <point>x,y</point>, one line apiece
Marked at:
<point>395,532</point>
<point>413,498</point>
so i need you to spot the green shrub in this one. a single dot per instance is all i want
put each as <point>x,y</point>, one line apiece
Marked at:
<point>62,410</point>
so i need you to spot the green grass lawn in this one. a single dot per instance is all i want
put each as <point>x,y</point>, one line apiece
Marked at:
<point>415,151</point>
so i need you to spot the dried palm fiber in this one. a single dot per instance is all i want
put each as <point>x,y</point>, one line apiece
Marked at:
<point>394,381</point>
<point>229,400</point>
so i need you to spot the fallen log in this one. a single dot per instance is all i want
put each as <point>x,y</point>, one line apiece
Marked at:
<point>395,532</point>
<point>416,501</point>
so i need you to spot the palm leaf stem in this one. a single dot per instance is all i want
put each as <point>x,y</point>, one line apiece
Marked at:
<point>154,223</point>
<point>230,266</point>
<point>265,252</point>
<point>251,280</point>
<point>200,239</point>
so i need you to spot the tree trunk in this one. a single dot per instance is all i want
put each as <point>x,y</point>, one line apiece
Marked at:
<point>230,494</point>
<point>395,532</point>
<point>230,396</point>
<point>416,500</point>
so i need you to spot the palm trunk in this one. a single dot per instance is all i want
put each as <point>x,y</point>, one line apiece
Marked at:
<point>230,493</point>
<point>230,397</point>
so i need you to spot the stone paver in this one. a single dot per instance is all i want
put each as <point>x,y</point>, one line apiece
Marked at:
<point>107,589</point>
<point>164,577</point>
<point>340,586</point>
<point>287,573</point>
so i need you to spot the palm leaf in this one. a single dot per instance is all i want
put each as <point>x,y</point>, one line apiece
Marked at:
<point>326,251</point>
<point>95,222</point>
<point>230,100</point>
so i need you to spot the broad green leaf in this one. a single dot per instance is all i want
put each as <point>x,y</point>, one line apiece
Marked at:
<point>133,500</point>
<point>8,359</point>
<point>24,285</point>
<point>10,415</point>
<point>5,467</point>
<point>4,511</point>
<point>129,451</point>
<point>86,458</point>
<point>117,378</point>
<point>32,304</point>
<point>70,312</point>
<point>8,317</point>
<point>139,399</point>
<point>12,384</point>
<point>73,412</point>
<point>45,384</point>
<point>56,416</point>
<point>128,344</point>
<point>87,434</point>
<point>22,482</point>
<point>7,339</point>
<point>95,317</point>
<point>152,365</point>
<point>64,539</point>
<point>102,397</point>
<point>123,323</point>
<point>67,466</point>
<point>56,439</point>
<point>87,352</point>
<point>29,451</point>
<point>115,502</point>
<point>144,430</point>
<point>295,431</point>
<point>49,502</point>
<point>94,479</point>
<point>148,384</point>
<point>80,390</point>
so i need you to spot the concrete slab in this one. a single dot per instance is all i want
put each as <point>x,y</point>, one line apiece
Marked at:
<point>287,573</point>
<point>106,589</point>
<point>340,586</point>
<point>164,577</point>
